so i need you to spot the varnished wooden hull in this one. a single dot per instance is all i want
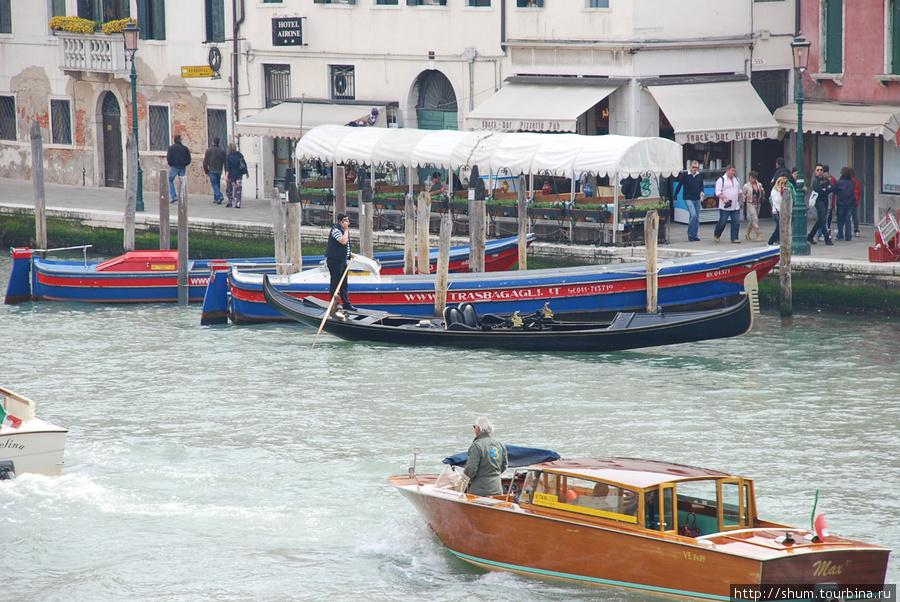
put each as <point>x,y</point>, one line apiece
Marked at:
<point>547,543</point>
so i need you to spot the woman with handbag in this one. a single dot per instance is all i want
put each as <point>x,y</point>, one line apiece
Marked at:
<point>236,168</point>
<point>753,194</point>
<point>780,190</point>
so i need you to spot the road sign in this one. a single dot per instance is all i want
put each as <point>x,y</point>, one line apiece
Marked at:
<point>199,71</point>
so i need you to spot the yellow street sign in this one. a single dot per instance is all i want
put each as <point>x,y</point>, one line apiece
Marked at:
<point>201,71</point>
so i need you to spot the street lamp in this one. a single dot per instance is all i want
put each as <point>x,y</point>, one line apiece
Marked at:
<point>130,33</point>
<point>800,246</point>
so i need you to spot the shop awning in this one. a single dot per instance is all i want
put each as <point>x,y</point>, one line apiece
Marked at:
<point>566,155</point>
<point>715,112</point>
<point>844,119</point>
<point>537,107</point>
<point>284,120</point>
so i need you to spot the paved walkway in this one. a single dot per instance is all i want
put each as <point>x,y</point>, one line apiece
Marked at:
<point>109,203</point>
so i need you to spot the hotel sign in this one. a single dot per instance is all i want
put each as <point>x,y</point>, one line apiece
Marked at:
<point>287,31</point>
<point>726,136</point>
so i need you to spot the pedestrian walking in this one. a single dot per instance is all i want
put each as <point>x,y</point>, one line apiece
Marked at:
<point>846,199</point>
<point>728,191</point>
<point>692,183</point>
<point>213,164</point>
<point>178,157</point>
<point>822,187</point>
<point>753,196</point>
<point>781,189</point>
<point>236,169</point>
<point>829,220</point>
<point>857,188</point>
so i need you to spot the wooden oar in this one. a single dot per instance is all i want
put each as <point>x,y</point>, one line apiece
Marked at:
<point>336,294</point>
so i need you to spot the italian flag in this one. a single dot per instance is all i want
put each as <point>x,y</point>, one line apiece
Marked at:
<point>817,519</point>
<point>9,419</point>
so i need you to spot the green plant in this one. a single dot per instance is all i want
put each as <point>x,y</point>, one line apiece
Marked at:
<point>315,191</point>
<point>648,207</point>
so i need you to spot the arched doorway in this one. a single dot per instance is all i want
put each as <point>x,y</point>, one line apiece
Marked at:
<point>436,103</point>
<point>111,115</point>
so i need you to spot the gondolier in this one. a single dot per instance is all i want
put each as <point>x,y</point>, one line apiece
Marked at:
<point>487,460</point>
<point>337,256</point>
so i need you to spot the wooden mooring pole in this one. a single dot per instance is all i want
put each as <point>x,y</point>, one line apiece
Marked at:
<point>651,231</point>
<point>443,265</point>
<point>37,178</point>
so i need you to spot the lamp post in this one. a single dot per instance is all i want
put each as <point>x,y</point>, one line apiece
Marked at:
<point>130,33</point>
<point>800,246</point>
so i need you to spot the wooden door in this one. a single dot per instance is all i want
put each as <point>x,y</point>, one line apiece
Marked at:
<point>112,143</point>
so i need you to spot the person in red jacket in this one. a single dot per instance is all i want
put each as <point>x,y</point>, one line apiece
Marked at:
<point>856,191</point>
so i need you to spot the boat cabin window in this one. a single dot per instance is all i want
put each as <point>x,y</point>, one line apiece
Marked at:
<point>717,504</point>
<point>585,496</point>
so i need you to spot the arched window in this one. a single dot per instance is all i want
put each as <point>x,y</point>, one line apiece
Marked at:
<point>436,104</point>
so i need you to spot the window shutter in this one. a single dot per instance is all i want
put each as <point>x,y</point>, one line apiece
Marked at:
<point>834,36</point>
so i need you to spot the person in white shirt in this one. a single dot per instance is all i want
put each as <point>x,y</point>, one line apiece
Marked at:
<point>728,189</point>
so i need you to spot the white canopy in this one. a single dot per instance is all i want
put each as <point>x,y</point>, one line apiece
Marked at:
<point>526,153</point>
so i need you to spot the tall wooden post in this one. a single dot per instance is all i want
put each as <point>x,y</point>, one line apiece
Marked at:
<point>184,283</point>
<point>37,178</point>
<point>292,227</point>
<point>523,225</point>
<point>279,231</point>
<point>786,242</point>
<point>366,219</point>
<point>165,242</point>
<point>423,219</point>
<point>651,232</point>
<point>443,265</point>
<point>409,235</point>
<point>339,185</point>
<point>477,225</point>
<point>130,190</point>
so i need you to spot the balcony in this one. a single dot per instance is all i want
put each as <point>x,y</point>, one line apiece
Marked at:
<point>95,53</point>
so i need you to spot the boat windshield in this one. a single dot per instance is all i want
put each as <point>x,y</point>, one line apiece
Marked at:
<point>716,504</point>
<point>452,478</point>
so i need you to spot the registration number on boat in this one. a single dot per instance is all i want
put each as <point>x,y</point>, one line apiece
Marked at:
<point>688,555</point>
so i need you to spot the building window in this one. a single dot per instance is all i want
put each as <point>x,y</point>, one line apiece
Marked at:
<point>278,83</point>
<point>387,2</point>
<point>7,118</point>
<point>479,2</point>
<point>5,17</point>
<point>334,1</point>
<point>342,82</point>
<point>272,1</point>
<point>152,19</point>
<point>103,10</point>
<point>217,126</point>
<point>529,3</point>
<point>772,87</point>
<point>426,2</point>
<point>834,36</point>
<point>598,3</point>
<point>215,21</point>
<point>159,127</point>
<point>61,122</point>
<point>57,8</point>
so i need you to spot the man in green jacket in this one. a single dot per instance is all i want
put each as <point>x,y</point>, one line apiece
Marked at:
<point>487,460</point>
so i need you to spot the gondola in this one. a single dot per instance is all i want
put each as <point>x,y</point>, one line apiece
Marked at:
<point>462,327</point>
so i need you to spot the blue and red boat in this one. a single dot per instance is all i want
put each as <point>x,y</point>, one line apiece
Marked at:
<point>152,276</point>
<point>583,293</point>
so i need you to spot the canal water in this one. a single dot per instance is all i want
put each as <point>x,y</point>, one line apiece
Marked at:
<point>236,463</point>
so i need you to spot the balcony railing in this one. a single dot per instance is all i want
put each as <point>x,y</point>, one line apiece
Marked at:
<point>92,52</point>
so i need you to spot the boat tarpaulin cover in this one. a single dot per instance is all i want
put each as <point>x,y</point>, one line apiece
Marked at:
<point>517,456</point>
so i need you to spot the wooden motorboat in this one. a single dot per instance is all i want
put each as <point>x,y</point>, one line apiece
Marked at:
<point>462,327</point>
<point>594,292</point>
<point>27,443</point>
<point>152,276</point>
<point>619,522</point>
